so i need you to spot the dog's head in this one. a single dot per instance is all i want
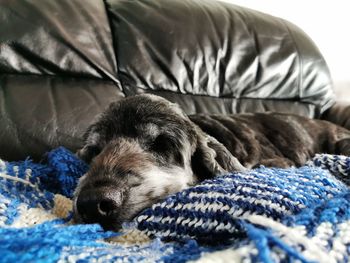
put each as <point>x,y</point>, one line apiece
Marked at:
<point>142,149</point>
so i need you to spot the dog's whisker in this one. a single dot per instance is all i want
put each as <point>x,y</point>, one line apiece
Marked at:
<point>149,200</point>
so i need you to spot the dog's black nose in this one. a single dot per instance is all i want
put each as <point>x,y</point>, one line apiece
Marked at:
<point>106,207</point>
<point>100,205</point>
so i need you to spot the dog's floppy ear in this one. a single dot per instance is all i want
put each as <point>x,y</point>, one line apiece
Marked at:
<point>88,152</point>
<point>93,144</point>
<point>212,158</point>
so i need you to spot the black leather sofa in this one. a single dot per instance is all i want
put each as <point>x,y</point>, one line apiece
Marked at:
<point>62,62</point>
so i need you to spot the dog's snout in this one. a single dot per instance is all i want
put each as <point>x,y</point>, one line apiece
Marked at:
<point>101,205</point>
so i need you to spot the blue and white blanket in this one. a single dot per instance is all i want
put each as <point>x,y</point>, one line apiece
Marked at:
<point>262,215</point>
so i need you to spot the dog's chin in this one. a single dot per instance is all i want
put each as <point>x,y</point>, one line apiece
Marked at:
<point>112,226</point>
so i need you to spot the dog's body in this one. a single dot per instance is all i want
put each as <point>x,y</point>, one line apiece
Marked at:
<point>144,148</point>
<point>272,139</point>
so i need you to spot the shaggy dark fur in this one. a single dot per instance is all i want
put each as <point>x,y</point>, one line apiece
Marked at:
<point>144,147</point>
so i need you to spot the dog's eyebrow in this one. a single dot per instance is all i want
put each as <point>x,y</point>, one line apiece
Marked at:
<point>151,129</point>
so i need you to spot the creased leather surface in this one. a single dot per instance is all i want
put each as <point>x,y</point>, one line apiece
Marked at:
<point>39,113</point>
<point>193,104</point>
<point>62,62</point>
<point>57,72</point>
<point>66,37</point>
<point>215,49</point>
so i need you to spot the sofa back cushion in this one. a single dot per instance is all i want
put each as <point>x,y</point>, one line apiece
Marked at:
<point>62,62</point>
<point>224,57</point>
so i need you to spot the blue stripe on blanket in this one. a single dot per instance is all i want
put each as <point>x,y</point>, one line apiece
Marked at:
<point>267,215</point>
<point>209,211</point>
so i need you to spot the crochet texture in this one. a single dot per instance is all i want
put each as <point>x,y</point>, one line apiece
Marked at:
<point>263,215</point>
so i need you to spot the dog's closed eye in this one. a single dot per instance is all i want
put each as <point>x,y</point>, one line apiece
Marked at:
<point>134,181</point>
<point>88,152</point>
<point>161,144</point>
<point>167,147</point>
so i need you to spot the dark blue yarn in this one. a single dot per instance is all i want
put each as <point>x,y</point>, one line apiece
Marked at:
<point>67,169</point>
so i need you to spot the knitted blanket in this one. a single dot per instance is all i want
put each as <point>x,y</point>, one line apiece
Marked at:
<point>262,215</point>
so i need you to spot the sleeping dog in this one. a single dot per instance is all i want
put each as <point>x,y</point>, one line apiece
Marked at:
<point>144,148</point>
